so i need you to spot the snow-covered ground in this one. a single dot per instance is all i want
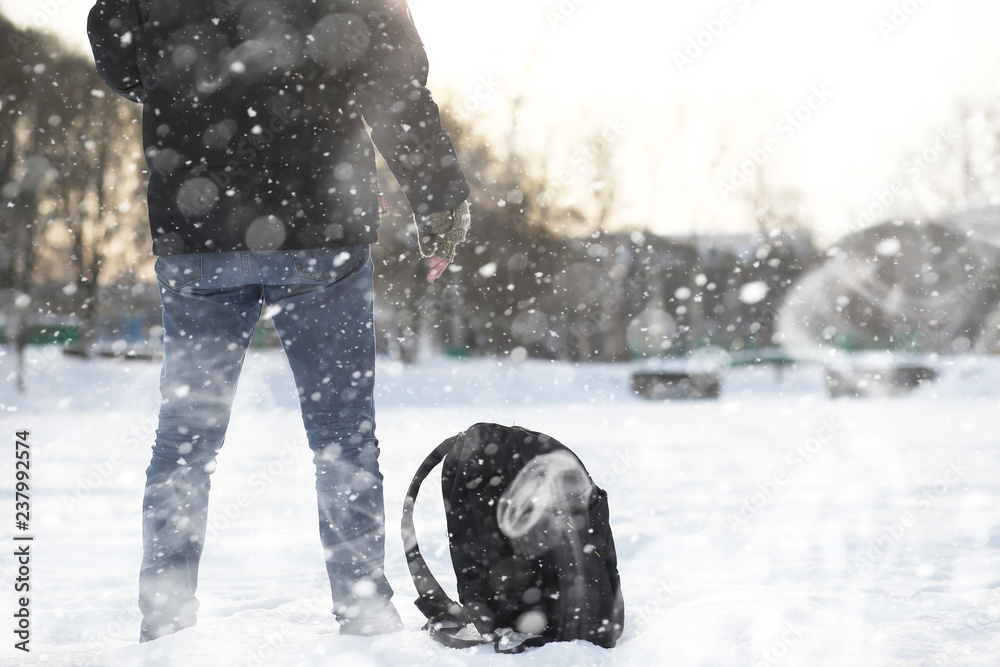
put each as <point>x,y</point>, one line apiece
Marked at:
<point>772,526</point>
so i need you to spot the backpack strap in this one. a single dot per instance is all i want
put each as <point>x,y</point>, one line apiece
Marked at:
<point>445,616</point>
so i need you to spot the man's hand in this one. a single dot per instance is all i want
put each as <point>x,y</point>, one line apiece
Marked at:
<point>447,230</point>
<point>438,265</point>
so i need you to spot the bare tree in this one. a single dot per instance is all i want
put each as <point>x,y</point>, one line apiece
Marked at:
<point>65,165</point>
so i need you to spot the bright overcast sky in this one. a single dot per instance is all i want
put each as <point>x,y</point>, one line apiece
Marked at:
<point>885,77</point>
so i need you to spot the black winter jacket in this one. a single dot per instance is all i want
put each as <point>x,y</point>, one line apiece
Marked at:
<point>252,117</point>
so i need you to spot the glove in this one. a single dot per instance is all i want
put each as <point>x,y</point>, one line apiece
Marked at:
<point>447,230</point>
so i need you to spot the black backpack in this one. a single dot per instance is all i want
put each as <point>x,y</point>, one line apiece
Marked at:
<point>530,542</point>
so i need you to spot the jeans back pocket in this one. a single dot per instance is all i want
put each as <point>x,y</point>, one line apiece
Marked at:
<point>328,264</point>
<point>178,271</point>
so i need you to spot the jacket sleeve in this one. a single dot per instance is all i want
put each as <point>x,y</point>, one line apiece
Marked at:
<point>113,29</point>
<point>389,82</point>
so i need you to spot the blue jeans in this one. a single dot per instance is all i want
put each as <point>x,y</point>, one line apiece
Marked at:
<point>323,315</point>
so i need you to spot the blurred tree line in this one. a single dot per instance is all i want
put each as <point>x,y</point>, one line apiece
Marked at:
<point>74,241</point>
<point>71,205</point>
<point>540,276</point>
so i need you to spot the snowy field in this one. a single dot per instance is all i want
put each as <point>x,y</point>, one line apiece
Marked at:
<point>773,526</point>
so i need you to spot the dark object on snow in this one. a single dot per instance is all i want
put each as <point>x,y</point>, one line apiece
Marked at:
<point>530,542</point>
<point>659,385</point>
<point>878,377</point>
